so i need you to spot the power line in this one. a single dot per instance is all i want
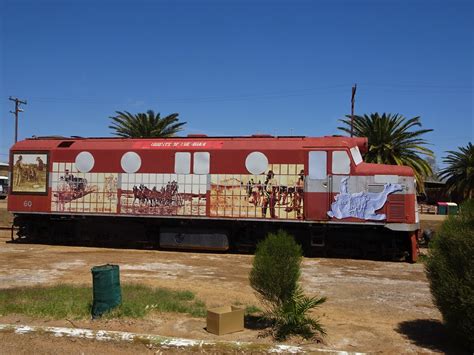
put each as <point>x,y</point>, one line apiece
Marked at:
<point>402,88</point>
<point>354,89</point>
<point>18,102</point>
<point>418,85</point>
<point>250,96</point>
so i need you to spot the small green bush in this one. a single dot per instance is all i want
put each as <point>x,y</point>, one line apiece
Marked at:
<point>450,270</point>
<point>274,276</point>
<point>276,268</point>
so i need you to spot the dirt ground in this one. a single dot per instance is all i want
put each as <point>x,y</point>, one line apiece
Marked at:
<point>372,306</point>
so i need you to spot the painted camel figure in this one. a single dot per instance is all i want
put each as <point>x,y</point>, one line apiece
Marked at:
<point>361,205</point>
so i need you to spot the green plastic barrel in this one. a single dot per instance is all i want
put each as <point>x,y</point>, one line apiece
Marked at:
<point>452,208</point>
<point>442,208</point>
<point>106,289</point>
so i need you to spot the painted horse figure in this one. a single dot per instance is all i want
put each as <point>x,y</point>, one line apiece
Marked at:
<point>139,194</point>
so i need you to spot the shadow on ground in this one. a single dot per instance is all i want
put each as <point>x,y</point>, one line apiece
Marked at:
<point>256,322</point>
<point>430,334</point>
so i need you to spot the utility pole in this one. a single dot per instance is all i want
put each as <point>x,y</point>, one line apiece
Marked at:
<point>18,102</point>
<point>354,89</point>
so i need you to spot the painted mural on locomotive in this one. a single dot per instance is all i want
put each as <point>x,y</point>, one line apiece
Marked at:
<point>163,194</point>
<point>277,193</point>
<point>73,191</point>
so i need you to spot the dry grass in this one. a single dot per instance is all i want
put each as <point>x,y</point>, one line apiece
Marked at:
<point>6,218</point>
<point>432,224</point>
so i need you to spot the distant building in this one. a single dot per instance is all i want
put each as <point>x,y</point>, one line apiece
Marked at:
<point>4,169</point>
<point>435,191</point>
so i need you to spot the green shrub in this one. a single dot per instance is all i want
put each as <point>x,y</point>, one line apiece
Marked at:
<point>276,268</point>
<point>274,276</point>
<point>450,270</point>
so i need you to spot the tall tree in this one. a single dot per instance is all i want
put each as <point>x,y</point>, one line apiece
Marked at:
<point>145,125</point>
<point>460,171</point>
<point>393,140</point>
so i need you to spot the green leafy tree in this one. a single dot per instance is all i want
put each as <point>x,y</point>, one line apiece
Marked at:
<point>274,276</point>
<point>459,173</point>
<point>145,125</point>
<point>393,140</point>
<point>450,271</point>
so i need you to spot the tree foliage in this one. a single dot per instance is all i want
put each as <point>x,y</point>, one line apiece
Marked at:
<point>145,125</point>
<point>459,173</point>
<point>450,270</point>
<point>274,276</point>
<point>394,140</point>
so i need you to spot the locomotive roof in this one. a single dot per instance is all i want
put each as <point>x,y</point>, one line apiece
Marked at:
<point>196,143</point>
<point>228,142</point>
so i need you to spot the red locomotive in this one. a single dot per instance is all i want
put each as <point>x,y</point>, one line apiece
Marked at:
<point>214,193</point>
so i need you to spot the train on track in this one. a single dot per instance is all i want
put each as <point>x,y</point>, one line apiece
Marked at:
<point>214,193</point>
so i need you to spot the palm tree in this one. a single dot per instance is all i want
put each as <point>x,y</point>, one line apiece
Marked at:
<point>145,125</point>
<point>460,171</point>
<point>392,140</point>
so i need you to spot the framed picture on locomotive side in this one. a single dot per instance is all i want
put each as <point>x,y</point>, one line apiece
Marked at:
<point>29,173</point>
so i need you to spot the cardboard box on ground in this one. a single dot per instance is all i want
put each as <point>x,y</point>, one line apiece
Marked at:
<point>224,320</point>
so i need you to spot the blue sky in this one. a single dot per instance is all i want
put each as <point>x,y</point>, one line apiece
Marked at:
<point>236,67</point>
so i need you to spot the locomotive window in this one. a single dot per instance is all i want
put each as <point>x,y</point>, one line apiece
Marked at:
<point>341,164</point>
<point>317,165</point>
<point>84,162</point>
<point>182,163</point>
<point>356,155</point>
<point>131,162</point>
<point>256,163</point>
<point>201,163</point>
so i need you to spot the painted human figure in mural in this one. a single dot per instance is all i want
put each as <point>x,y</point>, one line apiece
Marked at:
<point>110,187</point>
<point>250,185</point>
<point>298,195</point>
<point>67,176</point>
<point>40,164</point>
<point>270,190</point>
<point>255,194</point>
<point>18,170</point>
<point>63,194</point>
